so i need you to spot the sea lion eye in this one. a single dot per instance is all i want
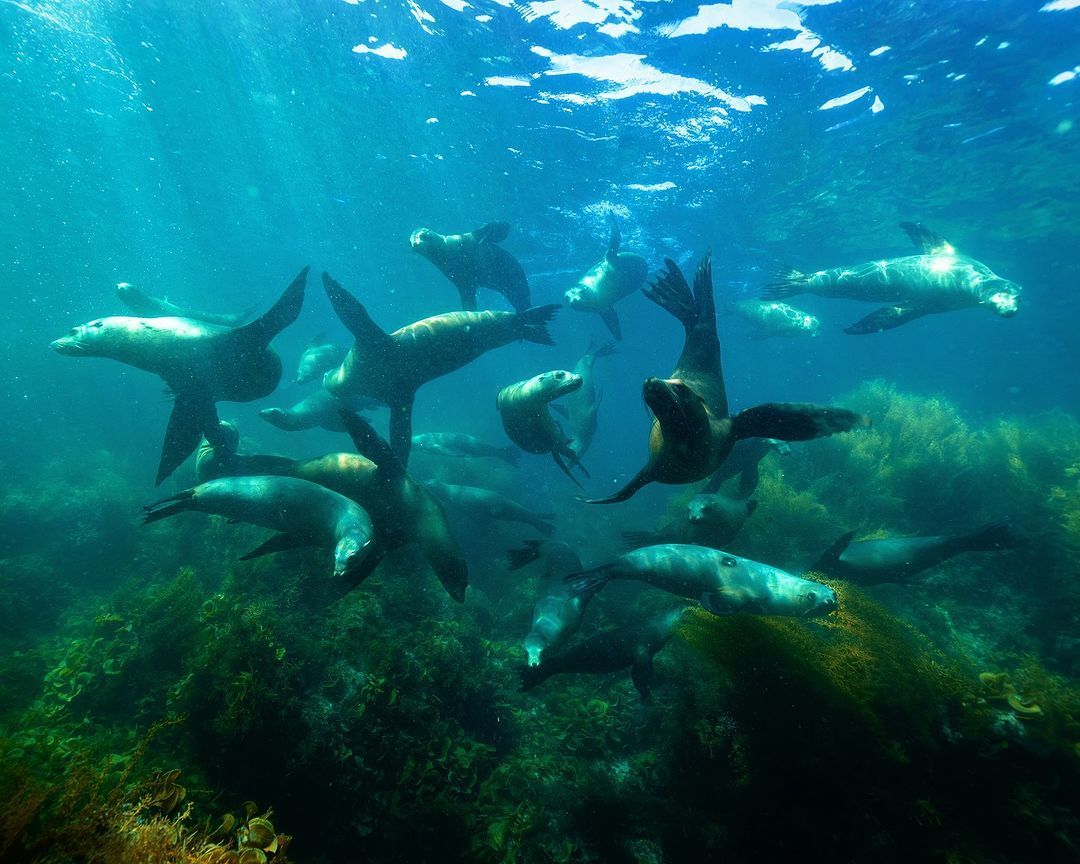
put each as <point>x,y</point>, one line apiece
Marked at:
<point>98,324</point>
<point>729,562</point>
<point>812,596</point>
<point>560,375</point>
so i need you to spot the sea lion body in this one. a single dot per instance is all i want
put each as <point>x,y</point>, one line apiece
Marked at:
<point>391,367</point>
<point>722,582</point>
<point>200,363</point>
<point>319,410</point>
<point>305,513</point>
<point>615,276</point>
<point>157,307</point>
<point>458,444</point>
<point>475,260</point>
<point>523,408</point>
<point>317,359</point>
<point>632,645</point>
<point>772,318</point>
<point>936,280</point>
<point>484,504</point>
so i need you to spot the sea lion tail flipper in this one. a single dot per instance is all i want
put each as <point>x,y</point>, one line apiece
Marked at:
<point>926,241</point>
<point>794,421</point>
<point>611,318</point>
<point>192,416</point>
<point>353,315</point>
<point>277,317</point>
<point>559,461</point>
<point>993,537</point>
<point>492,232</point>
<point>885,318</point>
<point>606,350</point>
<point>614,242</point>
<point>170,506</point>
<point>825,563</point>
<point>371,445</point>
<point>671,292</point>
<point>787,282</point>
<point>588,581</point>
<point>627,492</point>
<point>636,539</point>
<point>533,323</point>
<point>278,543</point>
<point>518,558</point>
<point>401,430</point>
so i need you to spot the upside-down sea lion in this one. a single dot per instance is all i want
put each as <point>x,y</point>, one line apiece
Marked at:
<point>318,358</point>
<point>392,366</point>
<point>615,276</point>
<point>305,514</point>
<point>475,260</point>
<point>692,432</point>
<point>158,307</point>
<point>581,406</point>
<point>936,280</point>
<point>528,422</point>
<point>200,363</point>
<point>319,410</point>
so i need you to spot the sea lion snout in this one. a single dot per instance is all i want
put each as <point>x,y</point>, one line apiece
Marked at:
<point>1006,299</point>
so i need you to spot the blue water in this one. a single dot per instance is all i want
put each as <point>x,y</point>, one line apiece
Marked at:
<point>206,152</point>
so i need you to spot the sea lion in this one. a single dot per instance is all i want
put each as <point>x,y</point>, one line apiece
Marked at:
<point>528,423</point>
<point>744,461</point>
<point>305,514</point>
<point>402,510</point>
<point>461,445</point>
<point>871,562</point>
<point>692,433</point>
<point>157,307</point>
<point>318,358</point>
<point>391,367</point>
<point>632,645</point>
<point>769,318</point>
<point>707,520</point>
<point>616,275</point>
<point>581,406</point>
<point>723,583</point>
<point>484,504</point>
<point>558,612</point>
<point>475,260</point>
<point>319,410</point>
<point>936,280</point>
<point>200,363</point>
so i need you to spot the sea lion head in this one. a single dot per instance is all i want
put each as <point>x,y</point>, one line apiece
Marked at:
<point>1003,296</point>
<point>705,509</point>
<point>534,647</point>
<point>817,600</point>
<point>427,242</point>
<point>551,385</point>
<point>350,553</point>
<point>92,339</point>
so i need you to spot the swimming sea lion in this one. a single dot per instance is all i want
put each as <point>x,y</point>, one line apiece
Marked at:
<point>475,260</point>
<point>318,358</point>
<point>772,318</point>
<point>692,433</point>
<point>319,410</point>
<point>722,582</point>
<point>935,280</point>
<point>392,366</point>
<point>200,363</point>
<point>528,423</point>
<point>402,510</point>
<point>744,460</point>
<point>157,307</point>
<point>616,275</point>
<point>558,612</point>
<point>582,405</point>
<point>484,504</point>
<point>707,520</point>
<point>461,445</point>
<point>632,645</point>
<point>305,513</point>
<point>871,562</point>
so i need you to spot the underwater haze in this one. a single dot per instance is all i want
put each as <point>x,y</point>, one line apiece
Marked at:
<point>880,659</point>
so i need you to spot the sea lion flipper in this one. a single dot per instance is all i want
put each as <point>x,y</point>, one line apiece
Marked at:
<point>279,543</point>
<point>533,323</point>
<point>749,478</point>
<point>493,232</point>
<point>588,581</point>
<point>794,421</point>
<point>401,430</point>
<point>642,478</point>
<point>192,416</point>
<point>371,445</point>
<point>353,315</point>
<point>277,317</point>
<point>926,241</point>
<point>825,563</point>
<point>613,243</point>
<point>518,558</point>
<point>671,292</point>
<point>611,318</point>
<point>787,282</point>
<point>885,318</point>
<point>558,461</point>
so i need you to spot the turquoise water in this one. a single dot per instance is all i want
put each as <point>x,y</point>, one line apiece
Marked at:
<point>207,152</point>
